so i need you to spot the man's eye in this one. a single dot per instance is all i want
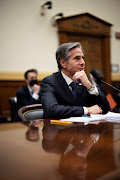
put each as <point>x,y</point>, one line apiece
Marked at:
<point>77,58</point>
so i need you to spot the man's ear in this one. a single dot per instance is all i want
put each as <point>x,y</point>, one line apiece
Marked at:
<point>63,63</point>
<point>26,80</point>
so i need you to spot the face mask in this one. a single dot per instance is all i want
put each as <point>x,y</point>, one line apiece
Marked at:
<point>32,82</point>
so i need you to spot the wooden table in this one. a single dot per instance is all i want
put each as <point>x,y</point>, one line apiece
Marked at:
<point>40,150</point>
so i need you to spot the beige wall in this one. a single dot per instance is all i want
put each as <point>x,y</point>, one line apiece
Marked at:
<point>28,40</point>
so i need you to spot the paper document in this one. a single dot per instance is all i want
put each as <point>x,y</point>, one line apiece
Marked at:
<point>83,119</point>
<point>110,116</point>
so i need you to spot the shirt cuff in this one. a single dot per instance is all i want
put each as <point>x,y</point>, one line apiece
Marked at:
<point>94,91</point>
<point>85,110</point>
<point>35,96</point>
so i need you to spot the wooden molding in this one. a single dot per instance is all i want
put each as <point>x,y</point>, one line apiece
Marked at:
<point>115,76</point>
<point>13,76</point>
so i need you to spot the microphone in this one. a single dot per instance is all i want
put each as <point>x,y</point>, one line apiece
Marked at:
<point>95,75</point>
<point>98,77</point>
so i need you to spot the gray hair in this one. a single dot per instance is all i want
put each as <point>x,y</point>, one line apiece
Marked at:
<point>63,51</point>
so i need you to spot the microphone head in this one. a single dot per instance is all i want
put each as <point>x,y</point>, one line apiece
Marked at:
<point>95,74</point>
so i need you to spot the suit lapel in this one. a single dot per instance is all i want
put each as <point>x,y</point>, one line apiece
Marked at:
<point>81,91</point>
<point>26,91</point>
<point>65,87</point>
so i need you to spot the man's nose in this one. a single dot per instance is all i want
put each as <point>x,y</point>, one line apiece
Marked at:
<point>82,62</point>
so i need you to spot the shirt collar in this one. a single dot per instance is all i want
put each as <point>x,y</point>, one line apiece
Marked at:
<point>67,79</point>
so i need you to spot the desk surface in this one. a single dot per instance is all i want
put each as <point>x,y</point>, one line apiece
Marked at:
<point>41,151</point>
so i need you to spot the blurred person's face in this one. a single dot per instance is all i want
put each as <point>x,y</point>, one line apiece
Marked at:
<point>31,76</point>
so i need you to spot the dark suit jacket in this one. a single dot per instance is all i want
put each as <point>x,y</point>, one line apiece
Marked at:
<point>24,98</point>
<point>58,101</point>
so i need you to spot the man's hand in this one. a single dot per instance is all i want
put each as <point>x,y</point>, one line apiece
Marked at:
<point>94,110</point>
<point>84,79</point>
<point>36,88</point>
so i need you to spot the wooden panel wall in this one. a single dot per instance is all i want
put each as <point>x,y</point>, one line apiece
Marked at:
<point>8,89</point>
<point>94,35</point>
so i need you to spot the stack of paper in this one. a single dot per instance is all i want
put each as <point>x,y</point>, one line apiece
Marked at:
<point>110,116</point>
<point>84,119</point>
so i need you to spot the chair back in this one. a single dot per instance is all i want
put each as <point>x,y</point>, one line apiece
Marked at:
<point>111,101</point>
<point>31,112</point>
<point>13,107</point>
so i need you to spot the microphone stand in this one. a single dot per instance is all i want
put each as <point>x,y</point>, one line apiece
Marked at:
<point>110,85</point>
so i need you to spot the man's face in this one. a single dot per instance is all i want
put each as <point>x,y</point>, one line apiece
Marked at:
<point>31,76</point>
<point>75,62</point>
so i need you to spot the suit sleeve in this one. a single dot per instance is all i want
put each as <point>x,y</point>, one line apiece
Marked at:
<point>23,100</point>
<point>101,101</point>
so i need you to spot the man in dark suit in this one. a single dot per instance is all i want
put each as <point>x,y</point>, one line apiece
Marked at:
<point>30,93</point>
<point>60,99</point>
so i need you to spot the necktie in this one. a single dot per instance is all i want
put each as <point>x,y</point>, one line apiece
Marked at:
<point>31,92</point>
<point>74,92</point>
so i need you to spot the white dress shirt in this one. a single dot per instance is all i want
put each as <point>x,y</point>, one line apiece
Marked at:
<point>34,95</point>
